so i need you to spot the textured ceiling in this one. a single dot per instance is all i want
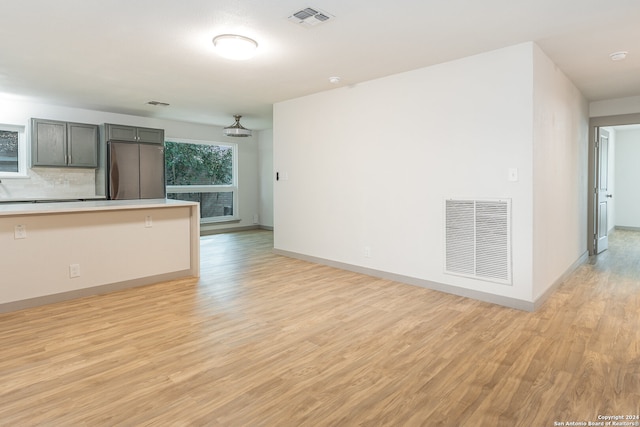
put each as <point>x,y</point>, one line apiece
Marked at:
<point>117,55</point>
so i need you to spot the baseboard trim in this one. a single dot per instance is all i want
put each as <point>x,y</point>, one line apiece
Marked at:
<point>234,229</point>
<point>92,291</point>
<point>546,294</point>
<point>623,227</point>
<point>441,287</point>
<point>227,230</point>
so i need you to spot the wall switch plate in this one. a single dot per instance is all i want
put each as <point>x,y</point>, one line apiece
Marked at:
<point>74,270</point>
<point>148,221</point>
<point>513,174</point>
<point>20,231</point>
<point>282,176</point>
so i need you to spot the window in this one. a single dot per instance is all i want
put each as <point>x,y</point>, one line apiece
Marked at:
<point>204,172</point>
<point>13,152</point>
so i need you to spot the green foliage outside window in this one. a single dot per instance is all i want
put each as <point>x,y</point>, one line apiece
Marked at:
<point>8,151</point>
<point>198,164</point>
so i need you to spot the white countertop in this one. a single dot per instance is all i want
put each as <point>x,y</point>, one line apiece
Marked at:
<point>87,206</point>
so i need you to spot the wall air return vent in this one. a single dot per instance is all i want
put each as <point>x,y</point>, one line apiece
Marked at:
<point>310,17</point>
<point>478,239</point>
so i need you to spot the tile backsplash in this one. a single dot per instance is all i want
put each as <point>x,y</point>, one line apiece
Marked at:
<point>50,183</point>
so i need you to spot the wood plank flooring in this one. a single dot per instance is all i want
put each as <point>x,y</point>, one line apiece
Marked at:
<point>263,340</point>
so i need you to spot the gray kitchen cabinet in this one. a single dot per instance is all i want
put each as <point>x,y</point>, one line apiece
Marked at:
<point>134,134</point>
<point>63,144</point>
<point>48,143</point>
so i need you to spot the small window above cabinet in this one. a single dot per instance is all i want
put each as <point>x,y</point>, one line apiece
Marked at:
<point>134,134</point>
<point>63,144</point>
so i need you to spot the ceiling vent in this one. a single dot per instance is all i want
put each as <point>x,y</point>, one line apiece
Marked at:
<point>158,104</point>
<point>310,17</point>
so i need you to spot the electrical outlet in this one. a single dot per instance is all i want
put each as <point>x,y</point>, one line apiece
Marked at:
<point>367,251</point>
<point>20,232</point>
<point>148,221</point>
<point>74,270</point>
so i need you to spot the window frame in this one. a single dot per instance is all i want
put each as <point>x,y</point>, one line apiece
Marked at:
<point>23,152</point>
<point>226,188</point>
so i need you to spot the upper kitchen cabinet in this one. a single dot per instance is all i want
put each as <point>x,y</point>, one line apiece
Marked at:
<point>63,144</point>
<point>134,134</point>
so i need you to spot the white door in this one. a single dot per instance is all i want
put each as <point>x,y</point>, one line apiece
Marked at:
<point>602,195</point>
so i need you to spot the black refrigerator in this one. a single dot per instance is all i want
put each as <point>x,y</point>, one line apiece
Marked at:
<point>135,171</point>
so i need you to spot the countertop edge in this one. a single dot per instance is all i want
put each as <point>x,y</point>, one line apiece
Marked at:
<point>88,206</point>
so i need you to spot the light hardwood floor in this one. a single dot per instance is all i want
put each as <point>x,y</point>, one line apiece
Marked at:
<point>263,340</point>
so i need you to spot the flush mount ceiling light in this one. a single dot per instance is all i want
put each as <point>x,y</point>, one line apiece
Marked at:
<point>236,129</point>
<point>618,56</point>
<point>233,46</point>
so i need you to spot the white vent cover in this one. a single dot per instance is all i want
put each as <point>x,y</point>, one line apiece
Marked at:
<point>478,239</point>
<point>310,17</point>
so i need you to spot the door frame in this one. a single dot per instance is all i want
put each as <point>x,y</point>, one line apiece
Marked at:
<point>594,124</point>
<point>601,191</point>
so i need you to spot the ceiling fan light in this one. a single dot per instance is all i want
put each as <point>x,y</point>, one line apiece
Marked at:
<point>236,47</point>
<point>236,129</point>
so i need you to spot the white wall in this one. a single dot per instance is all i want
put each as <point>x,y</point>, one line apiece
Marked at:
<point>613,107</point>
<point>371,165</point>
<point>560,149</point>
<point>64,182</point>
<point>265,156</point>
<point>627,178</point>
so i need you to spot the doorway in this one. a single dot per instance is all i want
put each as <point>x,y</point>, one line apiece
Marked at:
<point>596,195</point>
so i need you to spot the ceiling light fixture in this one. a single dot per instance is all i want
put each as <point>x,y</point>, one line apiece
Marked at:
<point>236,129</point>
<point>334,80</point>
<point>233,46</point>
<point>618,56</point>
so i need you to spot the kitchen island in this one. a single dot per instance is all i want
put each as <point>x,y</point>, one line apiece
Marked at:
<point>55,251</point>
